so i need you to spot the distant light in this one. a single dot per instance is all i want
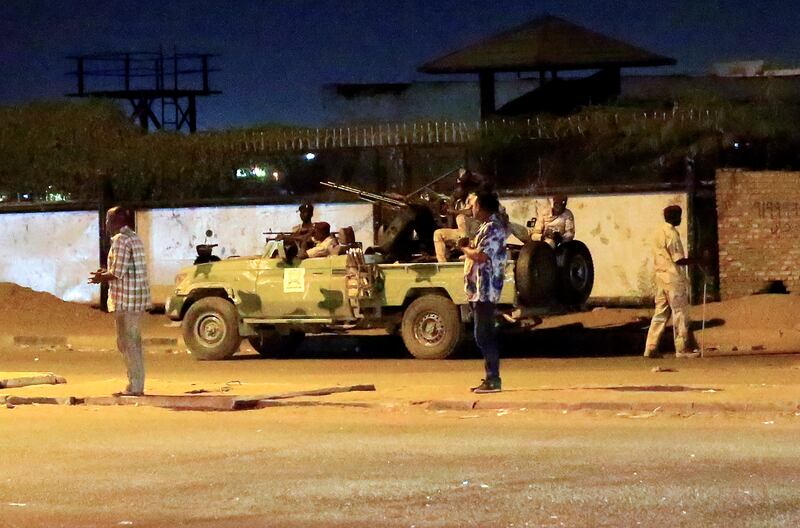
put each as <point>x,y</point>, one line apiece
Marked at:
<point>735,144</point>
<point>310,156</point>
<point>276,175</point>
<point>258,172</point>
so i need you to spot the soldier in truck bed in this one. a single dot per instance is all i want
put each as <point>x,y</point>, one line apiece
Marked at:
<point>303,231</point>
<point>300,238</point>
<point>326,243</point>
<point>466,226</point>
<point>558,225</point>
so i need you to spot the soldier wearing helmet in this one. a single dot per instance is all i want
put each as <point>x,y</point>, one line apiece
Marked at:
<point>302,232</point>
<point>306,211</point>
<point>558,225</point>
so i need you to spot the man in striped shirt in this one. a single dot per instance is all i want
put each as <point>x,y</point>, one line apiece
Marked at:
<point>128,293</point>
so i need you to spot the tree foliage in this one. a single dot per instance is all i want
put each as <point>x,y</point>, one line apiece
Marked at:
<point>61,150</point>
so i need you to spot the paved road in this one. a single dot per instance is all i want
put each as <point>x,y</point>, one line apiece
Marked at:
<point>404,467</point>
<point>397,464</point>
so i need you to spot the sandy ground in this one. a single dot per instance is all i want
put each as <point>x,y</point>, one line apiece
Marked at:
<point>769,323</point>
<point>396,463</point>
<point>29,313</point>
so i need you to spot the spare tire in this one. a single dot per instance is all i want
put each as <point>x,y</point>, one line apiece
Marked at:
<point>575,273</point>
<point>535,273</point>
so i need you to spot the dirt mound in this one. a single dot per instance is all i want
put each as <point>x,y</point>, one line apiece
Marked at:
<point>759,322</point>
<point>772,311</point>
<point>769,323</point>
<point>24,311</point>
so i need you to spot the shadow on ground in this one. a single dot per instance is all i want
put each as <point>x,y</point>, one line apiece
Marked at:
<point>574,340</point>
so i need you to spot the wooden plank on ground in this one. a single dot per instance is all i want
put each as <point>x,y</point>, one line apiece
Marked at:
<point>264,404</point>
<point>41,400</point>
<point>11,380</point>
<point>251,402</point>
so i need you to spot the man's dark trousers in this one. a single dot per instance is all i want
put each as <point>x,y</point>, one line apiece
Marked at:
<point>483,315</point>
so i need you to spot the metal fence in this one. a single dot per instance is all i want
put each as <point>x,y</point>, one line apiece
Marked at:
<point>460,132</point>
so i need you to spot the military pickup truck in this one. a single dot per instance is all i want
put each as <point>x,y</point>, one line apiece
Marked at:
<point>273,300</point>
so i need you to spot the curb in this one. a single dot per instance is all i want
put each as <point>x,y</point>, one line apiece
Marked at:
<point>469,405</point>
<point>75,341</point>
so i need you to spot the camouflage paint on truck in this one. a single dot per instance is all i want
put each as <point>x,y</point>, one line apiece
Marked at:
<point>273,301</point>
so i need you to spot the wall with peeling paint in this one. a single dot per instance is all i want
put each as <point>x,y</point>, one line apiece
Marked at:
<point>618,229</point>
<point>170,235</point>
<point>51,252</point>
<point>54,252</point>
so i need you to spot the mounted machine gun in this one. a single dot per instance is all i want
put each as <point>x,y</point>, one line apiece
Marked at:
<point>409,235</point>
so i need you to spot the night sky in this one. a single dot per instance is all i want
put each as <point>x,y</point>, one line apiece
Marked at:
<point>276,54</point>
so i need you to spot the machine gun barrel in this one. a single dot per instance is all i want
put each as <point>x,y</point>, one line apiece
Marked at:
<point>430,183</point>
<point>365,195</point>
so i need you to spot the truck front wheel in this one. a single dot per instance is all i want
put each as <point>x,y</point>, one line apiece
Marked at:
<point>431,327</point>
<point>211,329</point>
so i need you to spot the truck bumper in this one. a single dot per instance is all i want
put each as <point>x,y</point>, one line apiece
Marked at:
<point>173,308</point>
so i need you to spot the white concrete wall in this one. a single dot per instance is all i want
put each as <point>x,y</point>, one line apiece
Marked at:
<point>170,235</point>
<point>618,229</point>
<point>51,252</point>
<point>54,252</point>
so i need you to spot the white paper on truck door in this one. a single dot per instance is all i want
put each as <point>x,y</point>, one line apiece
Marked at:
<point>294,280</point>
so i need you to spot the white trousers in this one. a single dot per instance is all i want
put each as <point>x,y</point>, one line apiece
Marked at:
<point>129,343</point>
<point>674,299</point>
<point>467,227</point>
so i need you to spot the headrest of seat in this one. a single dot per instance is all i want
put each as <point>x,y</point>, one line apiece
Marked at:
<point>347,236</point>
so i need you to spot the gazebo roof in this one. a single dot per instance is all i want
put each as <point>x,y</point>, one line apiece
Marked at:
<point>545,43</point>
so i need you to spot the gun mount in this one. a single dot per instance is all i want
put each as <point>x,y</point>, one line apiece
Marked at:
<point>367,196</point>
<point>409,234</point>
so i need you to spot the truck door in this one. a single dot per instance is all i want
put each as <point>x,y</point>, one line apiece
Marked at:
<point>296,290</point>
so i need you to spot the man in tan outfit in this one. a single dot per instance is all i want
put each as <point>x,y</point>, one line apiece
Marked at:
<point>672,288</point>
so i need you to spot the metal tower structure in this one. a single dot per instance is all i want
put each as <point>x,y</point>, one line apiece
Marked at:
<point>171,82</point>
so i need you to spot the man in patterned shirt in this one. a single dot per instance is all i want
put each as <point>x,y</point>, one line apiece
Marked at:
<point>129,293</point>
<point>672,288</point>
<point>484,275</point>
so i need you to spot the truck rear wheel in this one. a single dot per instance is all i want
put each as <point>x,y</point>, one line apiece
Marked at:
<point>535,274</point>
<point>431,327</point>
<point>211,329</point>
<point>575,273</point>
<point>271,344</point>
